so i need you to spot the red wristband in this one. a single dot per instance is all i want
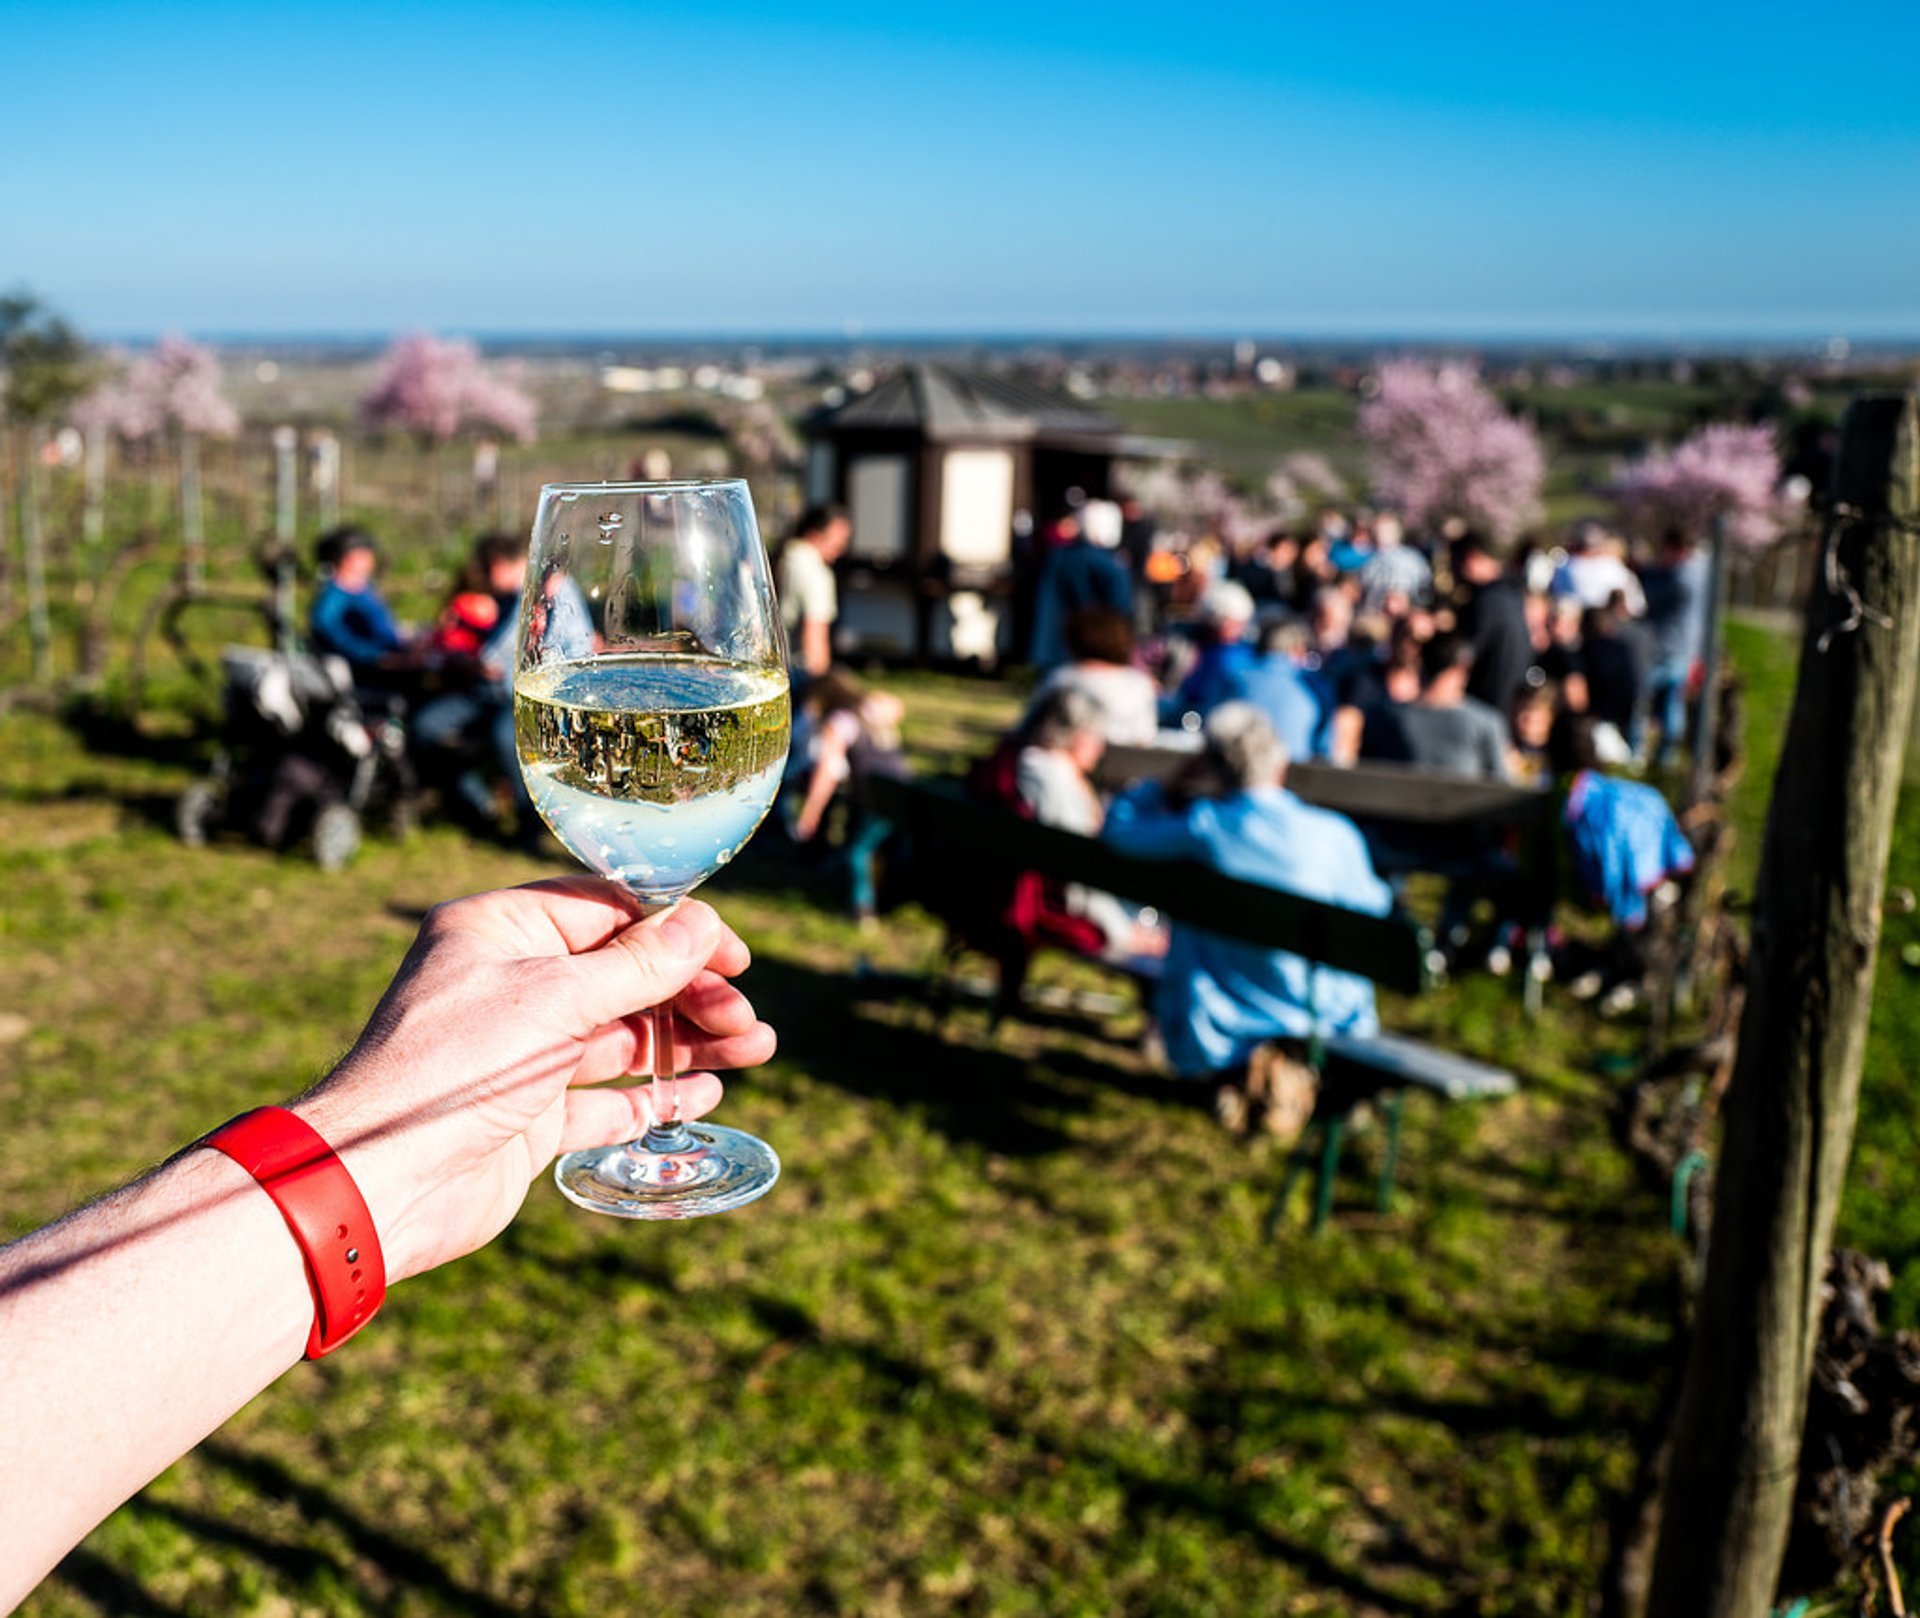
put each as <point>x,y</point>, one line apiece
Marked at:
<point>324,1210</point>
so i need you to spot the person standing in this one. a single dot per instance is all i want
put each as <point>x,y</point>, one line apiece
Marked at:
<point>809,597</point>
<point>1085,571</point>
<point>1494,620</point>
<point>1677,605</point>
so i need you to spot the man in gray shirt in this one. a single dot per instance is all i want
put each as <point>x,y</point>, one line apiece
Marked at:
<point>1445,729</point>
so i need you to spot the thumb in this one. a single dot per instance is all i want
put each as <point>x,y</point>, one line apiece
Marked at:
<point>640,966</point>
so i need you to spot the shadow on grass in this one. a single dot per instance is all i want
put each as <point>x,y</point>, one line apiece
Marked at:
<point>998,1100</point>
<point>405,1567</point>
<point>409,1567</point>
<point>907,1390</point>
<point>95,1579</point>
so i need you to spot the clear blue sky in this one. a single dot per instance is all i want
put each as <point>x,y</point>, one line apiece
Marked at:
<point>1675,170</point>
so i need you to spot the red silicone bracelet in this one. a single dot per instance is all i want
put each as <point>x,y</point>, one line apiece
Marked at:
<point>324,1210</point>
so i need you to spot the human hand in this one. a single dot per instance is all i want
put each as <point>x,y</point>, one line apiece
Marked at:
<point>488,1055</point>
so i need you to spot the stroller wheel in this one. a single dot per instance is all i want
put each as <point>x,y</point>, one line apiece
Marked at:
<point>336,836</point>
<point>195,813</point>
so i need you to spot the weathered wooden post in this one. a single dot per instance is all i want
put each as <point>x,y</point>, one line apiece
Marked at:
<point>286,485</point>
<point>193,533</point>
<point>1789,1113</point>
<point>93,499</point>
<point>33,554</point>
<point>323,451</point>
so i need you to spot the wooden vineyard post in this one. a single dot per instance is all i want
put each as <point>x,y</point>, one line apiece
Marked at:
<point>1789,1112</point>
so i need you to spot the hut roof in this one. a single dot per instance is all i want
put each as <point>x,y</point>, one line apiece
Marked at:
<point>944,402</point>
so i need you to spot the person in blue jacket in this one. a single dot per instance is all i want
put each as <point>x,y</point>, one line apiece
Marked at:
<point>1624,850</point>
<point>1218,1000</point>
<point>348,618</point>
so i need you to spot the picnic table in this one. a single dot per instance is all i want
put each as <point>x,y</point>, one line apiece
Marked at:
<point>963,842</point>
<point>1414,820</point>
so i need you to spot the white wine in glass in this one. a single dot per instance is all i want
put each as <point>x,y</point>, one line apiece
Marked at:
<point>651,715</point>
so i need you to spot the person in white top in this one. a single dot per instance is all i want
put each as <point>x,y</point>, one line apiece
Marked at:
<point>1597,569</point>
<point>1100,666</point>
<point>1054,777</point>
<point>809,599</point>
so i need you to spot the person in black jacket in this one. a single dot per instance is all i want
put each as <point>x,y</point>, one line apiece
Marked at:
<point>1494,621</point>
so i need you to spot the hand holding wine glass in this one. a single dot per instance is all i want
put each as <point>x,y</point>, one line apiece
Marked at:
<point>651,715</point>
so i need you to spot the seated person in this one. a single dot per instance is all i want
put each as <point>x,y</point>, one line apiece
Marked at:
<point>349,619</point>
<point>1444,728</point>
<point>1053,777</point>
<point>1100,666</point>
<point>1276,684</point>
<point>468,619</point>
<point>1217,999</point>
<point>1226,613</point>
<point>475,718</point>
<point>844,736</point>
<point>1535,712</point>
<point>1624,848</point>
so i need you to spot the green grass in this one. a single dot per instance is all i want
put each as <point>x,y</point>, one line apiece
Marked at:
<point>1006,1339</point>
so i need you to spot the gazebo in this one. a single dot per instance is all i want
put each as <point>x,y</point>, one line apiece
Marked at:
<point>946,474</point>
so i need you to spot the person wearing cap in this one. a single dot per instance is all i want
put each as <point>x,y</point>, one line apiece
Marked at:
<point>348,618</point>
<point>1226,614</point>
<point>1084,572</point>
<point>1218,1000</point>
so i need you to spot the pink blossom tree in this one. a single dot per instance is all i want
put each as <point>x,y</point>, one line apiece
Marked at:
<point>174,387</point>
<point>437,389</point>
<point>1441,446</point>
<point>1719,472</point>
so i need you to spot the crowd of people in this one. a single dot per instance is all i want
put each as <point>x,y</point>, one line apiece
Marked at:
<point>449,681</point>
<point>1354,642</point>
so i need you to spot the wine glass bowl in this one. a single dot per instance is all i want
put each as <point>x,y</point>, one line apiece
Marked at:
<point>651,718</point>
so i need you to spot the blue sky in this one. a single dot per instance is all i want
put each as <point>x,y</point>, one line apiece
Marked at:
<point>1337,169</point>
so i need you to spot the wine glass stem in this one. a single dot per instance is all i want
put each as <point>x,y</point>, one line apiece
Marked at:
<point>666,1133</point>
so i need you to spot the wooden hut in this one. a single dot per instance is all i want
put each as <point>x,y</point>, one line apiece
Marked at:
<point>946,475</point>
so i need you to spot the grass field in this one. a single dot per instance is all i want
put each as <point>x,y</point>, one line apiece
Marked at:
<point>1005,1340</point>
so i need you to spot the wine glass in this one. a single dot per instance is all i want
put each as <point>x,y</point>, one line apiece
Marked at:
<point>651,714</point>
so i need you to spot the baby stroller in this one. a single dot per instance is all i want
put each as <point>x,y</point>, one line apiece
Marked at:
<point>298,757</point>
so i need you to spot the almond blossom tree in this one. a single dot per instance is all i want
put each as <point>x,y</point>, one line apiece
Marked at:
<point>1441,447</point>
<point>1719,473</point>
<point>175,387</point>
<point>437,389</point>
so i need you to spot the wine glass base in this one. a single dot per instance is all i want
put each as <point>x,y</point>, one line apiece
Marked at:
<point>718,1169</point>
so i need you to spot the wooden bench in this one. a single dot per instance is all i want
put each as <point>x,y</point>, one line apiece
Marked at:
<point>965,843</point>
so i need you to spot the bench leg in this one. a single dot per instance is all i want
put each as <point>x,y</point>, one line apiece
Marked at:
<point>1296,1166</point>
<point>1390,1163</point>
<point>1533,983</point>
<point>1335,1133</point>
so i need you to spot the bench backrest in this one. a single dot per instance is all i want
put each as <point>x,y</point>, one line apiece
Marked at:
<point>943,817</point>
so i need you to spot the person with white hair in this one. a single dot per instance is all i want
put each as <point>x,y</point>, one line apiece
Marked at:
<point>1226,614</point>
<point>1064,738</point>
<point>1219,1000</point>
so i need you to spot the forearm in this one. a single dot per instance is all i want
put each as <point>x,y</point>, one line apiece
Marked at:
<point>820,787</point>
<point>816,645</point>
<point>128,1332</point>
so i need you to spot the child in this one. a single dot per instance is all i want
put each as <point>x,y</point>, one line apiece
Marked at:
<point>844,737</point>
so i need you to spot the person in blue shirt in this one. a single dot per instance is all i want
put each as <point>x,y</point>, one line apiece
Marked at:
<point>1276,684</point>
<point>1226,614</point>
<point>348,618</point>
<point>1625,850</point>
<point>1218,1000</point>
